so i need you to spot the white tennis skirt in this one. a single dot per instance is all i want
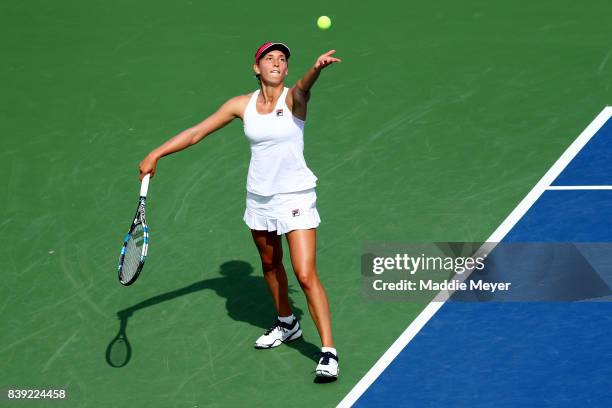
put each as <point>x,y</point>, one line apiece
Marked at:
<point>282,212</point>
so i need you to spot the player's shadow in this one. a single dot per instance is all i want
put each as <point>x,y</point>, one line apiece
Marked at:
<point>247,300</point>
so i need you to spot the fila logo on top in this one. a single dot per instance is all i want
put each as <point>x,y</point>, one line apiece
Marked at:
<point>279,112</point>
<point>296,212</point>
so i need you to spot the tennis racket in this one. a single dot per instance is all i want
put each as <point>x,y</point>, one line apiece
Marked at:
<point>136,242</point>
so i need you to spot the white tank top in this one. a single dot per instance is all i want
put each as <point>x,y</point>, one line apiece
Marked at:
<point>277,150</point>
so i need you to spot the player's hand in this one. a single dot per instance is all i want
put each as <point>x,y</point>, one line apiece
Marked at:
<point>325,60</point>
<point>148,165</point>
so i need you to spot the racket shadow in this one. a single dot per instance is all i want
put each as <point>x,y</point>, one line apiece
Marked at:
<point>247,300</point>
<point>119,351</point>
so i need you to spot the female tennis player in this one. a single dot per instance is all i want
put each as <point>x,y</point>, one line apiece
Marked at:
<point>281,198</point>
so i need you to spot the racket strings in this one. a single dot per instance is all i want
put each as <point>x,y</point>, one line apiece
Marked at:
<point>133,254</point>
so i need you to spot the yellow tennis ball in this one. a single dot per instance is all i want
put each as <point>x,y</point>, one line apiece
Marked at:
<point>324,22</point>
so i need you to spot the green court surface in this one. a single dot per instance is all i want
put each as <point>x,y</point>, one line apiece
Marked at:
<point>439,119</point>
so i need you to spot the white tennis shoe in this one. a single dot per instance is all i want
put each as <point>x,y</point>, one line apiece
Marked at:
<point>328,365</point>
<point>278,334</point>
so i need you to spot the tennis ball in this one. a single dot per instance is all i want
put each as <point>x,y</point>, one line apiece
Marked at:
<point>324,22</point>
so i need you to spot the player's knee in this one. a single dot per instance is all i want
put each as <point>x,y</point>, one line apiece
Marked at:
<point>307,277</point>
<point>271,264</point>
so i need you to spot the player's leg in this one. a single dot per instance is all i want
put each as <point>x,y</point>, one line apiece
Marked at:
<point>302,246</point>
<point>271,253</point>
<point>286,327</point>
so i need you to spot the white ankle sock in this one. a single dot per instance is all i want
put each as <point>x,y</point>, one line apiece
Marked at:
<point>330,349</point>
<point>287,319</point>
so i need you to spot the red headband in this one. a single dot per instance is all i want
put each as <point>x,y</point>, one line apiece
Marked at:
<point>269,46</point>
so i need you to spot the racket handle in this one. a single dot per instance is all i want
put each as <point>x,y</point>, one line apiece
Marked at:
<point>144,187</point>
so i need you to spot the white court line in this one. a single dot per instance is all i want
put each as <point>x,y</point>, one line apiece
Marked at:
<point>579,188</point>
<point>501,231</point>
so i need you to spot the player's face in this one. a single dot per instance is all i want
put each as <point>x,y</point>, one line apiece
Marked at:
<point>272,67</point>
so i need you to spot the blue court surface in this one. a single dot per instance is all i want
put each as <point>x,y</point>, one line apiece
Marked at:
<point>517,354</point>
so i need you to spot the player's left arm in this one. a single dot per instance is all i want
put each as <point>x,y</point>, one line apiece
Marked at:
<point>300,92</point>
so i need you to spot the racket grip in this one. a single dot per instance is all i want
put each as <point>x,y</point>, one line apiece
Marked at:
<point>144,187</point>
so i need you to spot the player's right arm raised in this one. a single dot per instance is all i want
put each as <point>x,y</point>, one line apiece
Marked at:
<point>226,113</point>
